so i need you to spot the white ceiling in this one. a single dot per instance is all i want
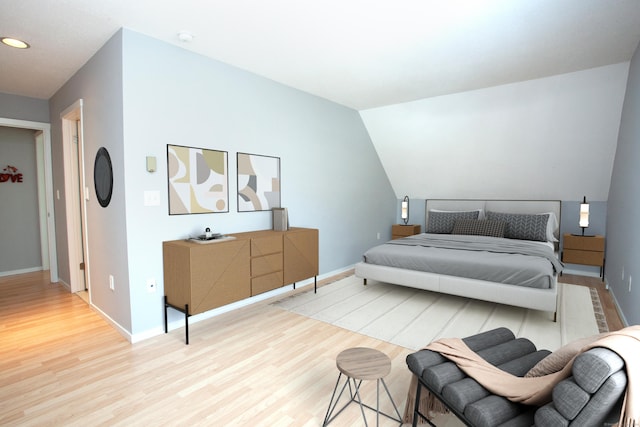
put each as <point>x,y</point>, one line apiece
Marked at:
<point>359,53</point>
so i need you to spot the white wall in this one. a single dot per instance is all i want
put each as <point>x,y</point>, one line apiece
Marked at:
<point>550,138</point>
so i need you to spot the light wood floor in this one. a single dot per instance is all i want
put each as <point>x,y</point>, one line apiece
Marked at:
<point>61,364</point>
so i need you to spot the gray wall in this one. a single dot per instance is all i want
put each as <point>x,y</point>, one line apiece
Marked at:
<point>99,84</point>
<point>141,94</point>
<point>331,176</point>
<point>24,108</point>
<point>623,229</point>
<point>20,229</point>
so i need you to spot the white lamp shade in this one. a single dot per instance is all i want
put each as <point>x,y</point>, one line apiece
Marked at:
<point>584,215</point>
<point>404,211</point>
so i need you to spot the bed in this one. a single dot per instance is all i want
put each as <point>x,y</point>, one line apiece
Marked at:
<point>462,252</point>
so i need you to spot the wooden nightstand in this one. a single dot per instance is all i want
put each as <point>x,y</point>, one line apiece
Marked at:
<point>585,250</point>
<point>398,231</point>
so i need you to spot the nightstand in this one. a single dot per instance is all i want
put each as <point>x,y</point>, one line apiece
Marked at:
<point>585,250</point>
<point>398,231</point>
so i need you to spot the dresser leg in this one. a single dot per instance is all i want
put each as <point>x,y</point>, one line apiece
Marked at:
<point>166,326</point>
<point>186,323</point>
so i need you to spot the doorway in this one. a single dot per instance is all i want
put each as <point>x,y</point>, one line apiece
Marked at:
<point>76,195</point>
<point>45,178</point>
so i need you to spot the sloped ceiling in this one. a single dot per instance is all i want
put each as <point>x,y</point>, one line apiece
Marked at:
<point>359,53</point>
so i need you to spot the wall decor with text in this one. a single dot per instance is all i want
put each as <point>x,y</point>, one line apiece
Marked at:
<point>258,182</point>
<point>198,180</point>
<point>11,174</point>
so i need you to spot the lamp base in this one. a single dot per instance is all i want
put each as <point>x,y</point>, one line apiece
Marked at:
<point>583,235</point>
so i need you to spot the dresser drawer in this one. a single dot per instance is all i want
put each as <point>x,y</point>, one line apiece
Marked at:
<point>266,245</point>
<point>266,264</point>
<point>266,283</point>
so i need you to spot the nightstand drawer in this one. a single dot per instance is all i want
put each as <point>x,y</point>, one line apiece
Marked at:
<point>574,256</point>
<point>399,231</point>
<point>585,243</point>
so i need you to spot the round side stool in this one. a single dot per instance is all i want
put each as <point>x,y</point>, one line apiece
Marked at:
<point>359,364</point>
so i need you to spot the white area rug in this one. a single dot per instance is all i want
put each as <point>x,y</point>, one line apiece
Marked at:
<point>412,318</point>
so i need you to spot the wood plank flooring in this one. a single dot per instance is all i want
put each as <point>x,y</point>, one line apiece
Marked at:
<point>61,364</point>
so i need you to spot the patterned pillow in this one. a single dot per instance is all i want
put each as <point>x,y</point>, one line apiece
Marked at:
<point>523,226</point>
<point>479,227</point>
<point>441,222</point>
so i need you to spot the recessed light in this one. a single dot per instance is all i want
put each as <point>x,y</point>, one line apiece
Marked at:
<point>13,42</point>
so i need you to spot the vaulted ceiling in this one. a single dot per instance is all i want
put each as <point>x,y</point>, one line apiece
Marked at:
<point>359,53</point>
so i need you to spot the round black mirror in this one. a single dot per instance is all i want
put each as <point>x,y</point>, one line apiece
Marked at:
<point>103,177</point>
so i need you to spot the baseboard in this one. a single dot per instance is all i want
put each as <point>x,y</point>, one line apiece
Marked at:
<point>65,284</point>
<point>122,331</point>
<point>21,271</point>
<point>176,319</point>
<point>620,313</point>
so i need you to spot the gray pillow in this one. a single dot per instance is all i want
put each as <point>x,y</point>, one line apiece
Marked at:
<point>479,227</point>
<point>442,222</point>
<point>523,226</point>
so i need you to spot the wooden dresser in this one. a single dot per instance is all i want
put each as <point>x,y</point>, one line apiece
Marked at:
<point>201,277</point>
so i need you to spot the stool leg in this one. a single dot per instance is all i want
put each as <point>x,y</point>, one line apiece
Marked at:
<point>391,399</point>
<point>333,404</point>
<point>360,402</point>
<point>378,402</point>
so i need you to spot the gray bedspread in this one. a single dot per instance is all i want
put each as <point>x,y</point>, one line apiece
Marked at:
<point>493,259</point>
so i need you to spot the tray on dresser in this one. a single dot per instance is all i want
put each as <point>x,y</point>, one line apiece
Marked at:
<point>205,241</point>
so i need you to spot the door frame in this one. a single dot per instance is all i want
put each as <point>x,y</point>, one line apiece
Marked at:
<point>47,171</point>
<point>76,194</point>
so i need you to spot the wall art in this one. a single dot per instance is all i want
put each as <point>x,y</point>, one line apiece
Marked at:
<point>198,180</point>
<point>258,182</point>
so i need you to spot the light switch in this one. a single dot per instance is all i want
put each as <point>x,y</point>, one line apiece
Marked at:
<point>152,198</point>
<point>151,164</point>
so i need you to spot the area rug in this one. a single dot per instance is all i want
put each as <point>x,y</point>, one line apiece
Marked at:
<point>412,318</point>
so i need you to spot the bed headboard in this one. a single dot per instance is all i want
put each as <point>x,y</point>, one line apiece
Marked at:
<point>507,206</point>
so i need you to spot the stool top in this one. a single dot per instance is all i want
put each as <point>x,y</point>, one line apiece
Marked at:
<point>363,363</point>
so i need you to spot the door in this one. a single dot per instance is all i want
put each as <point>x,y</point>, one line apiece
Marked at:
<point>75,197</point>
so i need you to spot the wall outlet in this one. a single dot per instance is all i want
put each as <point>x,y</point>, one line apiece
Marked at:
<point>378,235</point>
<point>111,284</point>
<point>629,283</point>
<point>623,273</point>
<point>151,285</point>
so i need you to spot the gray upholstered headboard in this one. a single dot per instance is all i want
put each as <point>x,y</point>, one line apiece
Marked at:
<point>507,206</point>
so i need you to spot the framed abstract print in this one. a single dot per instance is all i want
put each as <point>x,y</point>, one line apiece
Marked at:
<point>258,182</point>
<point>198,180</point>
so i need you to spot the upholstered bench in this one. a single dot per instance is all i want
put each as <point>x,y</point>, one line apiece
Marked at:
<point>590,397</point>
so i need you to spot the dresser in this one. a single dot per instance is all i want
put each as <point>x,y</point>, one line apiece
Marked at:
<point>200,277</point>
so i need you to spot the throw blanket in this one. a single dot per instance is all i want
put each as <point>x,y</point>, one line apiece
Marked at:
<point>537,390</point>
<point>482,243</point>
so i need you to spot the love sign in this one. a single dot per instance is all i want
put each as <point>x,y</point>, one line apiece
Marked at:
<point>10,174</point>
